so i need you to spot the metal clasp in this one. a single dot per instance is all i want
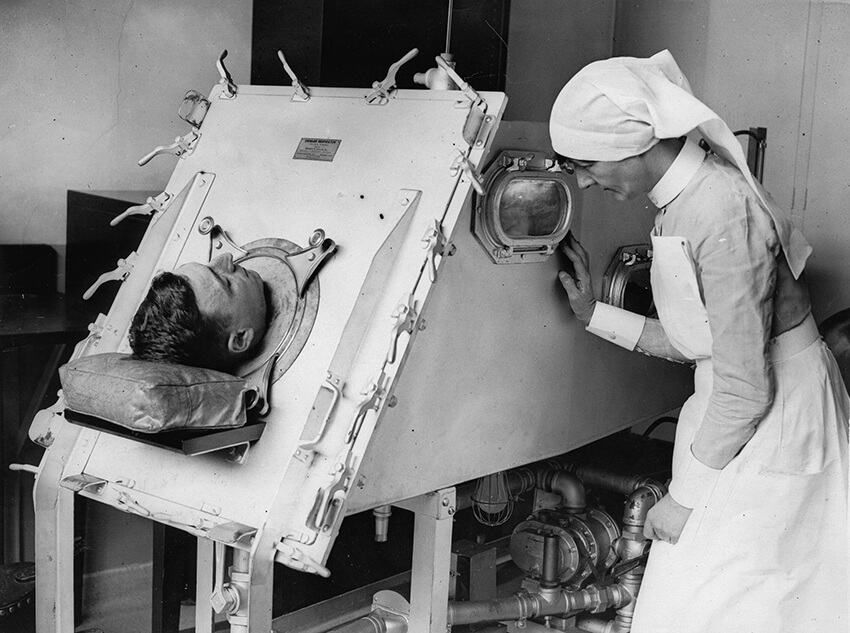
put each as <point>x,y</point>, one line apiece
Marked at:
<point>229,88</point>
<point>434,241</point>
<point>405,321</point>
<point>125,267</point>
<point>301,93</point>
<point>374,392</point>
<point>152,205</point>
<point>182,146</point>
<point>463,164</point>
<point>385,89</point>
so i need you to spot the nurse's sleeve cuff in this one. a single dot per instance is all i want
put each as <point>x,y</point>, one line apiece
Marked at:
<point>693,481</point>
<point>619,326</point>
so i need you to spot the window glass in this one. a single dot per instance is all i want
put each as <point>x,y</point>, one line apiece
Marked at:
<point>530,207</point>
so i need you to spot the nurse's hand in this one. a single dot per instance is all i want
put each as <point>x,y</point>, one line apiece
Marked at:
<point>578,285</point>
<point>666,520</point>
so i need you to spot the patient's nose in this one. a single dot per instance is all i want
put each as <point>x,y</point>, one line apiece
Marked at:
<point>223,263</point>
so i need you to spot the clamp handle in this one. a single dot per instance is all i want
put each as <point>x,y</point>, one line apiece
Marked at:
<point>462,85</point>
<point>152,205</point>
<point>384,89</point>
<point>180,146</point>
<point>229,91</point>
<point>301,92</point>
<point>119,274</point>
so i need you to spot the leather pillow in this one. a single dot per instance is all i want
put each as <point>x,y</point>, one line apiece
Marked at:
<point>152,397</point>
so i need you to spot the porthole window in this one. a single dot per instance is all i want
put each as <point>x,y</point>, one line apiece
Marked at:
<point>626,283</point>
<point>526,209</point>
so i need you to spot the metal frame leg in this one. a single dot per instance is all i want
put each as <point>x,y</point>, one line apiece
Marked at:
<point>432,555</point>
<point>54,541</point>
<point>204,615</point>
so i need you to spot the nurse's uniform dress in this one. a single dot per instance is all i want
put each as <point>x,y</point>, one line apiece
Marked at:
<point>765,547</point>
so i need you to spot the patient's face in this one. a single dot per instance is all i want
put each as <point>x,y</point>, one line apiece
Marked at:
<point>228,292</point>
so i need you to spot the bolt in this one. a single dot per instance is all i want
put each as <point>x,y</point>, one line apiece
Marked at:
<point>393,401</point>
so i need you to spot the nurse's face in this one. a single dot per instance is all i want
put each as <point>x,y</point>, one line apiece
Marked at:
<point>231,294</point>
<point>624,179</point>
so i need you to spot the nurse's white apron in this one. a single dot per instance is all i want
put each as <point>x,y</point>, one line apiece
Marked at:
<point>765,550</point>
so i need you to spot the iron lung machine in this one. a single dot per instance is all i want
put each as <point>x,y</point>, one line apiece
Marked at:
<point>419,338</point>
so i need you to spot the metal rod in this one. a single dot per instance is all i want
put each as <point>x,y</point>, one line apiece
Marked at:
<point>449,27</point>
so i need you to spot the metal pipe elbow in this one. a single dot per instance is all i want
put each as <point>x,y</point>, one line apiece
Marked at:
<point>565,484</point>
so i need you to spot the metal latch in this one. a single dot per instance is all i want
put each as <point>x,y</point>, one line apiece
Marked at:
<point>463,164</point>
<point>182,146</point>
<point>329,500</point>
<point>84,483</point>
<point>229,88</point>
<point>292,556</point>
<point>95,332</point>
<point>151,205</point>
<point>385,89</point>
<point>374,392</point>
<point>405,321</point>
<point>479,125</point>
<point>301,93</point>
<point>125,267</point>
<point>434,241</point>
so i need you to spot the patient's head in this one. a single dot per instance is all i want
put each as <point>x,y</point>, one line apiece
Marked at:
<point>202,315</point>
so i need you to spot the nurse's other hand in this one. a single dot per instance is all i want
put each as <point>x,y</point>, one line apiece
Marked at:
<point>578,285</point>
<point>666,520</point>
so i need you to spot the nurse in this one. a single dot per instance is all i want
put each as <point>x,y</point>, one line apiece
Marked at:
<point>752,536</point>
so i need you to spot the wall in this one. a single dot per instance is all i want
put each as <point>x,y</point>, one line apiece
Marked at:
<point>90,87</point>
<point>779,65</point>
<point>87,89</point>
<point>548,42</point>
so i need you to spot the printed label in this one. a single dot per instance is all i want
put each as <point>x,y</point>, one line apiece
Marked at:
<point>317,149</point>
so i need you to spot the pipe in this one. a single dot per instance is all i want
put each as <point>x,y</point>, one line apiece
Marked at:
<point>382,516</point>
<point>551,560</point>
<point>524,606</point>
<point>596,476</point>
<point>376,622</point>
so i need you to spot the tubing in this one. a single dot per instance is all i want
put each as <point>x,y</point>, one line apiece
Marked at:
<point>524,606</point>
<point>375,622</point>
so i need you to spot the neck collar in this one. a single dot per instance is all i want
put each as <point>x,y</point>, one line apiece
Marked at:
<point>678,175</point>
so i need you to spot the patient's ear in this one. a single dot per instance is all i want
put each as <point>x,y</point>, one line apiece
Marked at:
<point>240,340</point>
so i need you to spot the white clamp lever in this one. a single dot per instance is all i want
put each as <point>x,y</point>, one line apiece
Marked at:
<point>181,146</point>
<point>125,266</point>
<point>463,164</point>
<point>435,242</point>
<point>152,205</point>
<point>292,556</point>
<point>383,90</point>
<point>374,392</point>
<point>229,90</point>
<point>301,92</point>
<point>405,321</point>
<point>465,87</point>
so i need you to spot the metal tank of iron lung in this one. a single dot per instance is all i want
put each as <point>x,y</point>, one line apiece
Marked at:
<point>409,354</point>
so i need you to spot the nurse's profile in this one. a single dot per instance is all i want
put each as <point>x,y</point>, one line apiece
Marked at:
<point>204,315</point>
<point>752,535</point>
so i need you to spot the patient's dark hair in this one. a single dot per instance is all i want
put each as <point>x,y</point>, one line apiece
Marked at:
<point>169,327</point>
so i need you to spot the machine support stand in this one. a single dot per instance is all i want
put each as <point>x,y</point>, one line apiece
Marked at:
<point>204,616</point>
<point>54,541</point>
<point>432,540</point>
